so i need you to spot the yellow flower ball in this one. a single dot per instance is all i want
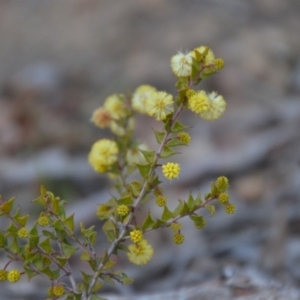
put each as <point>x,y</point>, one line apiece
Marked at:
<point>140,253</point>
<point>136,236</point>
<point>23,233</point>
<point>184,137</point>
<point>13,276</point>
<point>141,96</point>
<point>178,238</point>
<point>160,105</point>
<point>198,102</point>
<point>161,200</point>
<point>230,208</point>
<point>103,154</point>
<point>181,64</point>
<point>171,170</point>
<point>3,275</point>
<point>223,198</point>
<point>216,107</point>
<point>115,105</point>
<point>101,117</point>
<point>123,210</point>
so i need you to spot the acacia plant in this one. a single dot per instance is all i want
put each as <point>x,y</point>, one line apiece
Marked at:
<point>46,247</point>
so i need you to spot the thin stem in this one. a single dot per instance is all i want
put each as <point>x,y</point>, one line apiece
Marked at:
<point>123,231</point>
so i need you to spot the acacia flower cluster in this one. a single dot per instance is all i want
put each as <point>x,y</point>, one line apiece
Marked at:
<point>46,248</point>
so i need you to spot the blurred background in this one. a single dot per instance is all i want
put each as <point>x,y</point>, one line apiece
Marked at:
<point>59,60</point>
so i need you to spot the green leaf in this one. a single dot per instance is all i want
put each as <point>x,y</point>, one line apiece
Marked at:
<point>175,142</point>
<point>144,169</point>
<point>30,274</point>
<point>46,245</point>
<point>148,223</point>
<point>149,155</point>
<point>22,220</point>
<point>182,83</point>
<point>92,237</point>
<point>34,230</point>
<point>190,202</point>
<point>33,241</point>
<point>167,152</point>
<point>96,288</point>
<point>86,277</point>
<point>57,225</point>
<point>126,200</point>
<point>51,274</point>
<point>69,222</point>
<point>198,200</point>
<point>184,210</point>
<point>107,279</point>
<point>68,250</point>
<point>125,279</point>
<point>7,206</point>
<point>62,260</point>
<point>176,227</point>
<point>109,264</point>
<point>49,234</point>
<point>167,214</point>
<point>195,67</point>
<point>122,248</point>
<point>40,200</point>
<point>211,209</point>
<point>110,230</point>
<point>12,229</point>
<point>3,240</point>
<point>85,256</point>
<point>178,208</point>
<point>135,188</point>
<point>214,191</point>
<point>159,224</point>
<point>179,127</point>
<point>159,136</point>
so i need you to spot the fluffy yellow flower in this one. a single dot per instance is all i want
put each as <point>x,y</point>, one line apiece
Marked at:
<point>198,102</point>
<point>115,105</point>
<point>160,105</point>
<point>171,170</point>
<point>181,64</point>
<point>216,107</point>
<point>140,253</point>
<point>141,96</point>
<point>101,117</point>
<point>13,276</point>
<point>103,154</point>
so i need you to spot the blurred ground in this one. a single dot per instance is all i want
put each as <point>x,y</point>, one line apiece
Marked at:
<point>60,59</point>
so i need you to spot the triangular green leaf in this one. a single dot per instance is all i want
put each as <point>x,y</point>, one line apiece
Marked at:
<point>46,245</point>
<point>68,250</point>
<point>148,223</point>
<point>167,214</point>
<point>167,152</point>
<point>179,127</point>
<point>69,222</point>
<point>149,155</point>
<point>159,136</point>
<point>211,209</point>
<point>144,169</point>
